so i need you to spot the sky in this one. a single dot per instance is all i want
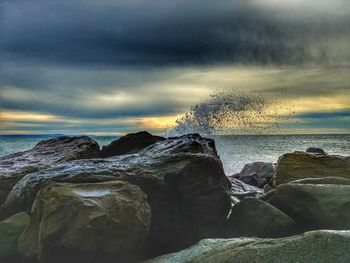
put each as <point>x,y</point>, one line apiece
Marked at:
<point>112,67</point>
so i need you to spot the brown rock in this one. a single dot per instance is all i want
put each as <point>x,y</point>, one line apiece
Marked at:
<point>300,165</point>
<point>94,222</point>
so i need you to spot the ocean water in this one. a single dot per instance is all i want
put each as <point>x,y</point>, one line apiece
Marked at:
<point>234,150</point>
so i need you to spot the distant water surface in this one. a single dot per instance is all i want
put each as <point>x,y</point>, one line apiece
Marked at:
<point>234,150</point>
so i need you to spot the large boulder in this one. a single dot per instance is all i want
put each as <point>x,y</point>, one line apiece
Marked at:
<point>255,218</point>
<point>45,154</point>
<point>130,143</point>
<point>241,190</point>
<point>10,230</point>
<point>183,178</point>
<point>321,246</point>
<point>313,206</point>
<point>87,223</point>
<point>299,165</point>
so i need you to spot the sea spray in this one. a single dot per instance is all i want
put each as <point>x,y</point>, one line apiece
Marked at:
<point>232,112</point>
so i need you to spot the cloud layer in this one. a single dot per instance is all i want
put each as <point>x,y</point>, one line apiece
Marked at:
<point>157,32</point>
<point>118,66</point>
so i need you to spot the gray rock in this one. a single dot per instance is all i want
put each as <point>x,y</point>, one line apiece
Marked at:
<point>254,179</point>
<point>313,206</point>
<point>45,154</point>
<point>301,165</point>
<point>261,169</point>
<point>255,218</point>
<point>91,222</point>
<point>315,150</point>
<point>323,246</point>
<point>183,178</point>
<point>241,190</point>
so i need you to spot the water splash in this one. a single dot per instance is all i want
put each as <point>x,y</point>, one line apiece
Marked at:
<point>232,112</point>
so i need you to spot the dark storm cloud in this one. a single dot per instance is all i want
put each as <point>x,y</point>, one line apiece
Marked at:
<point>119,60</point>
<point>140,32</point>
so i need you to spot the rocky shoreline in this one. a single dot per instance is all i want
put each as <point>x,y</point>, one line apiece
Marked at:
<point>144,196</point>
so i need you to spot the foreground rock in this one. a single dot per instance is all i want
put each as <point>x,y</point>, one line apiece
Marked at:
<point>87,223</point>
<point>10,230</point>
<point>299,165</point>
<point>314,206</point>
<point>43,155</point>
<point>130,143</point>
<point>322,246</point>
<point>255,218</point>
<point>183,178</point>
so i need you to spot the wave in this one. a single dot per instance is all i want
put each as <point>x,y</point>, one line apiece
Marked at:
<point>232,112</point>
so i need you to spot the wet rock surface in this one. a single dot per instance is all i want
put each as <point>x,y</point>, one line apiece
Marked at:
<point>45,154</point>
<point>321,246</point>
<point>93,222</point>
<point>130,143</point>
<point>154,196</point>
<point>183,178</point>
<point>240,189</point>
<point>255,218</point>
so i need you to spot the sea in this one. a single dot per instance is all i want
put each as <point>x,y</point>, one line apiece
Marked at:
<point>234,150</point>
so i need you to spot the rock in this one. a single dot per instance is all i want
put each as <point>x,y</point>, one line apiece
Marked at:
<point>95,222</point>
<point>130,143</point>
<point>261,169</point>
<point>10,230</point>
<point>313,206</point>
<point>241,190</point>
<point>255,218</point>
<point>315,150</point>
<point>183,178</point>
<point>300,165</point>
<point>45,154</point>
<point>267,188</point>
<point>323,180</point>
<point>321,246</point>
<point>254,179</point>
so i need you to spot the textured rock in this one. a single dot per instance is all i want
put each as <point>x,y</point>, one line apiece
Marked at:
<point>300,165</point>
<point>323,246</point>
<point>313,206</point>
<point>255,218</point>
<point>322,180</point>
<point>241,190</point>
<point>87,223</point>
<point>10,230</point>
<point>130,143</point>
<point>182,177</point>
<point>254,180</point>
<point>261,169</point>
<point>45,154</point>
